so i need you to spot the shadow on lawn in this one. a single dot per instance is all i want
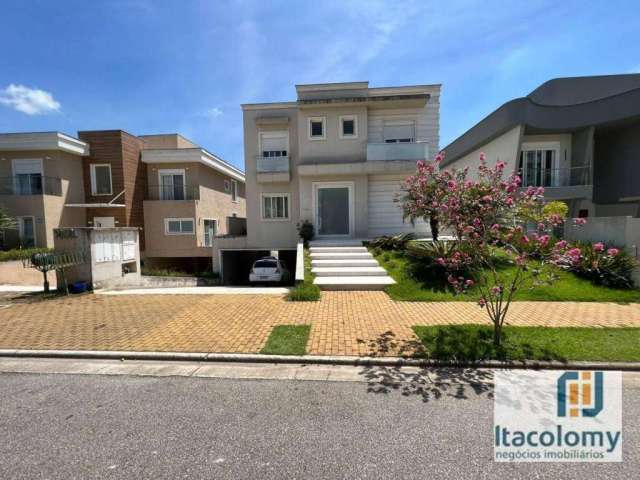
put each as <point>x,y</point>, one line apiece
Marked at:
<point>461,344</point>
<point>457,345</point>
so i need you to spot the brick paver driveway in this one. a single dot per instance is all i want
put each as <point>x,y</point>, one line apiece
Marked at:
<point>342,323</point>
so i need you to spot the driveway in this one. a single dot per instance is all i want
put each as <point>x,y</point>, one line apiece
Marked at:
<point>342,323</point>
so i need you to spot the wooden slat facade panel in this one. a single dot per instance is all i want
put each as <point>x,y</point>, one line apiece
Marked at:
<point>122,151</point>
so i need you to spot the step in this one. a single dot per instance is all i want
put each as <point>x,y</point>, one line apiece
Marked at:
<point>336,243</point>
<point>337,249</point>
<point>353,283</point>
<point>341,256</point>
<point>345,263</point>
<point>349,271</point>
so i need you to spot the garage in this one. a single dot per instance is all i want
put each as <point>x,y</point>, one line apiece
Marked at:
<point>385,214</point>
<point>236,264</point>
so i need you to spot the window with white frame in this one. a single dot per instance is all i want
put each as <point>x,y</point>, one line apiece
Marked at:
<point>171,184</point>
<point>101,179</point>
<point>399,132</point>
<point>537,166</point>
<point>234,190</point>
<point>317,128</point>
<point>275,206</point>
<point>210,229</point>
<point>348,126</point>
<point>179,226</point>
<point>274,144</point>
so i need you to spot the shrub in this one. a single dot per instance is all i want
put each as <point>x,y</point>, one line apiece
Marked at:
<point>305,291</point>
<point>436,260</point>
<point>608,266</point>
<point>21,253</point>
<point>306,231</point>
<point>392,242</point>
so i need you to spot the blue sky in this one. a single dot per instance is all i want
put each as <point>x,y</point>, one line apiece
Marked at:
<point>186,66</point>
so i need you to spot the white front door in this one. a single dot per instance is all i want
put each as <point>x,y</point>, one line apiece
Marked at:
<point>104,222</point>
<point>333,209</point>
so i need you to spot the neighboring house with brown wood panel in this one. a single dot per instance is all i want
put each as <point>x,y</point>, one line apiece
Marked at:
<point>40,173</point>
<point>179,194</point>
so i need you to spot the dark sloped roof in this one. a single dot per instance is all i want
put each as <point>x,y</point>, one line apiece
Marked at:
<point>559,104</point>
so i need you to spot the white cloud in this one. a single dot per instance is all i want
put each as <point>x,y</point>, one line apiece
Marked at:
<point>213,112</point>
<point>31,101</point>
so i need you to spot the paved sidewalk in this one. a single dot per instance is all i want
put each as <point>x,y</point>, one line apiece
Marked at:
<point>342,323</point>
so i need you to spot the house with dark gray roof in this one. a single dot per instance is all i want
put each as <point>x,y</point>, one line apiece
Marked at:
<point>577,137</point>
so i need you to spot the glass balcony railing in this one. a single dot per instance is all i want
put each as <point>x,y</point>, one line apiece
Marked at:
<point>556,177</point>
<point>30,184</point>
<point>397,151</point>
<point>173,192</point>
<point>272,164</point>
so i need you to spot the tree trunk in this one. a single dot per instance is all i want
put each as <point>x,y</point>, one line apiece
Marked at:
<point>433,224</point>
<point>497,334</point>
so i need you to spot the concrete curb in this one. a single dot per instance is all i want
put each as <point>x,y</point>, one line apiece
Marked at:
<point>317,360</point>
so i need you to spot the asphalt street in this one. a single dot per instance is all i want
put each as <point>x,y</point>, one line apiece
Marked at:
<point>387,425</point>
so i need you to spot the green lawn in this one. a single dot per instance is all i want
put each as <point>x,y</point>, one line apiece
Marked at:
<point>305,291</point>
<point>287,340</point>
<point>568,287</point>
<point>475,342</point>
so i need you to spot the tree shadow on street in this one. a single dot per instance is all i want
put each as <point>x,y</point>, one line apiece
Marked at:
<point>429,383</point>
<point>426,382</point>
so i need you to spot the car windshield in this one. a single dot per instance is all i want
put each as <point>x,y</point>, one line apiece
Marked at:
<point>266,264</point>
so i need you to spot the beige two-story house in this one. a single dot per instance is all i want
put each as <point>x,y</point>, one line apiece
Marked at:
<point>336,156</point>
<point>40,174</point>
<point>192,196</point>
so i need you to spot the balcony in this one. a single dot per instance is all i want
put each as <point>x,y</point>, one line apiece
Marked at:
<point>273,169</point>
<point>30,184</point>
<point>173,192</point>
<point>382,152</point>
<point>560,183</point>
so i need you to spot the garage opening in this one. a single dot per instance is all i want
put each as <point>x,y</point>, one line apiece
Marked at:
<point>236,264</point>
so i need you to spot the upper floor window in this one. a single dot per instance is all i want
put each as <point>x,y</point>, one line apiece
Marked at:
<point>399,132</point>
<point>234,190</point>
<point>348,126</point>
<point>537,167</point>
<point>317,128</point>
<point>101,179</point>
<point>27,176</point>
<point>274,144</point>
<point>172,184</point>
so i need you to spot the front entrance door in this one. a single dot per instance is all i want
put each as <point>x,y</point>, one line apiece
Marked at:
<point>104,222</point>
<point>333,205</point>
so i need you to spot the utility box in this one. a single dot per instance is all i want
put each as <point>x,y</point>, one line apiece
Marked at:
<point>113,255</point>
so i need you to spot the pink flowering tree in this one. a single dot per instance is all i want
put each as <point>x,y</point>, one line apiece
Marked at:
<point>488,216</point>
<point>424,194</point>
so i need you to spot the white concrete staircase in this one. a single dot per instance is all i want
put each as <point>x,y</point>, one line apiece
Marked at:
<point>346,266</point>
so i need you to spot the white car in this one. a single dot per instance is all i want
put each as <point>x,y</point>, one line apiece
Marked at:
<point>269,270</point>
